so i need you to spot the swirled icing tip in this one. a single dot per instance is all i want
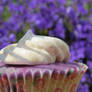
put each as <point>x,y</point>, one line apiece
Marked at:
<point>28,36</point>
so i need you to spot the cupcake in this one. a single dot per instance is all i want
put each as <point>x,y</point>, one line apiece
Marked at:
<point>39,64</point>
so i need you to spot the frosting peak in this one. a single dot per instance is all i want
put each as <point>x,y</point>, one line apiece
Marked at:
<point>34,49</point>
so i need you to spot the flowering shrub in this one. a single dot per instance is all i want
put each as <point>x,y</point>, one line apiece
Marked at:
<point>70,20</point>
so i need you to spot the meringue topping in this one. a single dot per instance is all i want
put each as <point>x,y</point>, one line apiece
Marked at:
<point>34,49</point>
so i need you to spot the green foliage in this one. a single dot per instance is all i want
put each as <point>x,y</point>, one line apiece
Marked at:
<point>19,35</point>
<point>14,1</point>
<point>27,26</point>
<point>6,14</point>
<point>39,32</point>
<point>88,6</point>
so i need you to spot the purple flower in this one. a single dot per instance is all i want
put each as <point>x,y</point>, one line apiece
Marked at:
<point>70,12</point>
<point>1,9</point>
<point>81,9</point>
<point>89,38</point>
<point>3,33</point>
<point>79,27</point>
<point>84,78</point>
<point>55,17</point>
<point>12,37</point>
<point>89,63</point>
<point>61,1</point>
<point>83,88</point>
<point>13,24</point>
<point>59,30</point>
<point>13,8</point>
<point>89,52</point>
<point>3,38</point>
<point>4,45</point>
<point>51,33</point>
<point>33,4</point>
<point>4,2</point>
<point>21,9</point>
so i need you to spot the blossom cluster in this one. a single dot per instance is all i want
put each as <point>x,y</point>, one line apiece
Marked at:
<point>70,20</point>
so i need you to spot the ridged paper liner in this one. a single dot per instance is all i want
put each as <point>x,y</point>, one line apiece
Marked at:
<point>51,78</point>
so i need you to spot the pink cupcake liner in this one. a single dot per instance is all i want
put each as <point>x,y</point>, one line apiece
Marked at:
<point>41,78</point>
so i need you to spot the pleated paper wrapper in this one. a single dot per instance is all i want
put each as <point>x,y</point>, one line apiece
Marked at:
<point>41,78</point>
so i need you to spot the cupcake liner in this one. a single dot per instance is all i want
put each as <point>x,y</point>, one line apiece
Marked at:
<point>41,78</point>
<point>28,82</point>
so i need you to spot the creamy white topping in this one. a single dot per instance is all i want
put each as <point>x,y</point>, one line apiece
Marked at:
<point>34,49</point>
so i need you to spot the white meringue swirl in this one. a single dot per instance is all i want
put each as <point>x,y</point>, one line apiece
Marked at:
<point>34,49</point>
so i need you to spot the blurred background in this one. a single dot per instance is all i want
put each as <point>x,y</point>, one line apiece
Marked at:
<point>69,20</point>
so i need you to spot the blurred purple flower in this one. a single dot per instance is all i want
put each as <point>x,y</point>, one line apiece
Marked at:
<point>22,9</point>
<point>3,38</point>
<point>77,50</point>
<point>1,9</point>
<point>81,9</point>
<point>89,51</point>
<point>13,8</point>
<point>13,24</point>
<point>89,38</point>
<point>51,33</point>
<point>71,12</point>
<point>61,1</point>
<point>59,30</point>
<point>4,45</point>
<point>83,88</point>
<point>4,2</point>
<point>84,78</point>
<point>3,33</point>
<point>89,63</point>
<point>55,17</point>
<point>33,3</point>
<point>12,37</point>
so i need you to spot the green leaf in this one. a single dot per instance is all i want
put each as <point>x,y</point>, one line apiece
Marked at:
<point>21,1</point>
<point>15,1</point>
<point>27,26</point>
<point>68,25</point>
<point>88,6</point>
<point>19,35</point>
<point>6,14</point>
<point>41,32</point>
<point>45,32</point>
